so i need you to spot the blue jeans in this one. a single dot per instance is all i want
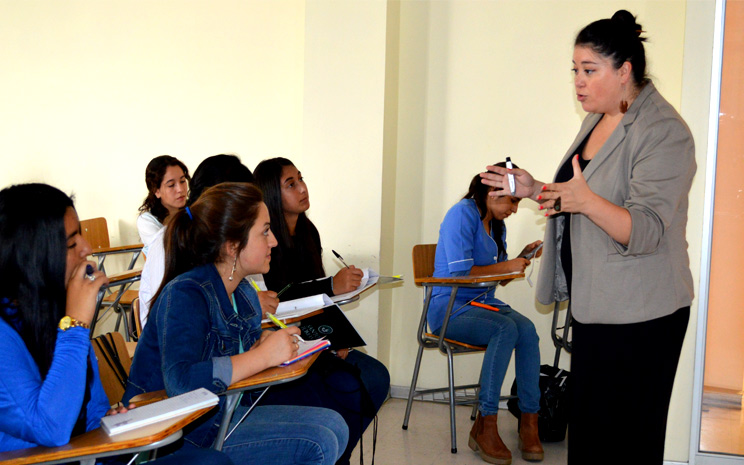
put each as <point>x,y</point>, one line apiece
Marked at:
<point>279,434</point>
<point>331,384</point>
<point>502,332</point>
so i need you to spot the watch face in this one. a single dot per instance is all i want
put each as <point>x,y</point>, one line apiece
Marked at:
<point>65,322</point>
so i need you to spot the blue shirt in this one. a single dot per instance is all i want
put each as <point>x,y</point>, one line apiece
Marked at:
<point>463,243</point>
<point>43,412</point>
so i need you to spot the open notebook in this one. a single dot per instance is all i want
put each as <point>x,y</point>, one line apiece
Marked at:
<point>299,307</point>
<point>158,411</point>
<point>307,348</point>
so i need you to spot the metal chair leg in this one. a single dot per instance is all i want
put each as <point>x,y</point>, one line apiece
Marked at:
<point>451,373</point>
<point>475,405</point>
<point>412,390</point>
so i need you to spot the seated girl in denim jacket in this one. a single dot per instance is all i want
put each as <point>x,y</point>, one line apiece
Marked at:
<point>204,330</point>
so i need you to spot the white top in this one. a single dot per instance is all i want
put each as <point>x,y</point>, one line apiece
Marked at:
<point>154,269</point>
<point>148,226</point>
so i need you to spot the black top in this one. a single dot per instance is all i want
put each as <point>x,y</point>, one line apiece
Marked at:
<point>565,174</point>
<point>299,264</point>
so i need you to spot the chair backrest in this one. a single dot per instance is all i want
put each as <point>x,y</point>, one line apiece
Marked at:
<point>113,364</point>
<point>95,231</point>
<point>423,260</point>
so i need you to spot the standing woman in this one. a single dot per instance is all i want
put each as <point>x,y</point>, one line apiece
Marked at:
<point>204,331</point>
<point>167,180</point>
<point>50,388</point>
<point>356,384</point>
<point>615,246</point>
<point>472,242</point>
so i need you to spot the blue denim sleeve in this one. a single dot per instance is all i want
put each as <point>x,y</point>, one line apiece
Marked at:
<point>183,319</point>
<point>222,369</point>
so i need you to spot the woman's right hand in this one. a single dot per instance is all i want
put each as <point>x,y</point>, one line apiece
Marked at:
<point>82,293</point>
<point>279,346</point>
<point>527,186</point>
<point>347,280</point>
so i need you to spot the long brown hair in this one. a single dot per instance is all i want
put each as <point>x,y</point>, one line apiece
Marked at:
<point>195,236</point>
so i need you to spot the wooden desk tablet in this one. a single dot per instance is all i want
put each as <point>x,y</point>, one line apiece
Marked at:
<point>96,444</point>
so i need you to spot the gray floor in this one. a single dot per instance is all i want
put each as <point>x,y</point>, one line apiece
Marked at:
<point>427,440</point>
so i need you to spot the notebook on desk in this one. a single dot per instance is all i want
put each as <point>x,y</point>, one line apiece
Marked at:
<point>158,411</point>
<point>333,325</point>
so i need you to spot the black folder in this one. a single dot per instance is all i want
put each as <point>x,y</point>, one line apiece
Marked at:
<point>334,326</point>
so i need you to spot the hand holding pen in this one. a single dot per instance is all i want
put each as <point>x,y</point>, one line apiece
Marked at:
<point>348,278</point>
<point>269,300</point>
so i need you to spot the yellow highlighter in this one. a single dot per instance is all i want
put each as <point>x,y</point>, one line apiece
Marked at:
<point>255,286</point>
<point>276,320</point>
<point>279,323</point>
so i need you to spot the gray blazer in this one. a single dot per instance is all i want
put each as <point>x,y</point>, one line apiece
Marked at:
<point>646,166</point>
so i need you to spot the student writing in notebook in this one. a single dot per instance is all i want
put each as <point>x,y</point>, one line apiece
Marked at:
<point>167,180</point>
<point>472,241</point>
<point>352,383</point>
<point>50,389</point>
<point>205,331</point>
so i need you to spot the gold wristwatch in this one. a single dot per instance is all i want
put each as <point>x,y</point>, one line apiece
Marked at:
<point>68,322</point>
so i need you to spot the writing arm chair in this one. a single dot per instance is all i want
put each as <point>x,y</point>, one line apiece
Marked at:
<point>423,271</point>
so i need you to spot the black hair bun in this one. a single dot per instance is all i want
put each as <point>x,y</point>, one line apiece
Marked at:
<point>627,22</point>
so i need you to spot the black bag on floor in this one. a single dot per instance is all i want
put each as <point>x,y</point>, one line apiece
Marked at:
<point>552,420</point>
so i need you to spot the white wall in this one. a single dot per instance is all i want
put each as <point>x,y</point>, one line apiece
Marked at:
<point>387,107</point>
<point>93,90</point>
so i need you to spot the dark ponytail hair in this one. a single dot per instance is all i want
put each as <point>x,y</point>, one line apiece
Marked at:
<point>154,174</point>
<point>194,237</point>
<point>479,191</point>
<point>618,39</point>
<point>33,258</point>
<point>268,175</point>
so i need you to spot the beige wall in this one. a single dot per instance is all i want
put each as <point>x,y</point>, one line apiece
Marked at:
<point>93,90</point>
<point>388,108</point>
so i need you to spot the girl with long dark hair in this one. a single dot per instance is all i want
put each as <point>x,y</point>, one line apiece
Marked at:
<point>50,388</point>
<point>167,180</point>
<point>352,382</point>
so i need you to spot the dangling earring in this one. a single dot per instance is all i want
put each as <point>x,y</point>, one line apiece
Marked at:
<point>623,106</point>
<point>235,267</point>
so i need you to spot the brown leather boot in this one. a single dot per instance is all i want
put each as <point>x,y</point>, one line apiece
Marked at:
<point>485,439</point>
<point>529,441</point>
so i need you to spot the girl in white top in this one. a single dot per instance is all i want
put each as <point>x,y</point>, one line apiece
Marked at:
<point>167,180</point>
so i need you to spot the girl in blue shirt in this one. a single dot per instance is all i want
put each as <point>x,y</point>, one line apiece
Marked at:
<point>472,242</point>
<point>50,389</point>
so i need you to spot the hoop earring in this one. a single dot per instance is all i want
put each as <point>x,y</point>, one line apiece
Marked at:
<point>235,266</point>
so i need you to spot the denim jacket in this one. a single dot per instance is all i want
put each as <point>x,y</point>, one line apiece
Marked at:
<point>192,331</point>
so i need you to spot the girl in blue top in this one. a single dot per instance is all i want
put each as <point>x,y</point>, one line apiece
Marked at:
<point>472,242</point>
<point>50,389</point>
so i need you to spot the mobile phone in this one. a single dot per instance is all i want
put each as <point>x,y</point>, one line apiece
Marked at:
<point>533,252</point>
<point>510,177</point>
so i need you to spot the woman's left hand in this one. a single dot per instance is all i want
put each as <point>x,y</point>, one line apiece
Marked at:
<point>120,409</point>
<point>342,353</point>
<point>572,196</point>
<point>530,247</point>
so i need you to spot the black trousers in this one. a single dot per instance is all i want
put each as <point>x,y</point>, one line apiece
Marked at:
<point>621,383</point>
